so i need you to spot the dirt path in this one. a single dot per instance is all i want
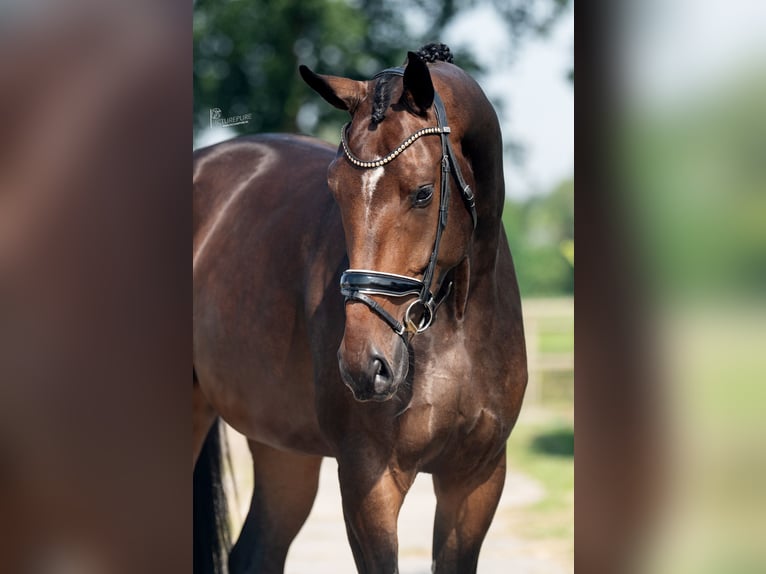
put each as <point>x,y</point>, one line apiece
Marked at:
<point>322,548</point>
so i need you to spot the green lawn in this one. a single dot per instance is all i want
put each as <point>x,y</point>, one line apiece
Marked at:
<point>542,447</point>
<point>558,341</point>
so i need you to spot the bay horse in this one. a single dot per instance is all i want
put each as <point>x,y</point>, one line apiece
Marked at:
<point>415,364</point>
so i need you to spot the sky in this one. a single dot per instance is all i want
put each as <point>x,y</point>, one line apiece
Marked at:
<point>674,49</point>
<point>538,100</point>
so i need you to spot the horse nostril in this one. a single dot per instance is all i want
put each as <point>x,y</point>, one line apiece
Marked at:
<point>381,374</point>
<point>380,369</point>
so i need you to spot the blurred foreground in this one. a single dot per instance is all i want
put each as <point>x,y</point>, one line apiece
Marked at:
<point>671,325</point>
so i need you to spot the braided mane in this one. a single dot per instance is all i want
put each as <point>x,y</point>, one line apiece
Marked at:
<point>435,53</point>
<point>381,99</point>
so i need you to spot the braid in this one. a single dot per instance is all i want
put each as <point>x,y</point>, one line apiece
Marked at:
<point>381,99</point>
<point>435,52</point>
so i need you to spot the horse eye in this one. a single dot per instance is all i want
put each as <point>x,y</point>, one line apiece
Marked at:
<point>423,196</point>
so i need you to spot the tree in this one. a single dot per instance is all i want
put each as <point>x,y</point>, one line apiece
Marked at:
<point>246,53</point>
<point>539,231</point>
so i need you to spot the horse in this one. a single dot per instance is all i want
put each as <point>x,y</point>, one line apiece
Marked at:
<point>360,303</point>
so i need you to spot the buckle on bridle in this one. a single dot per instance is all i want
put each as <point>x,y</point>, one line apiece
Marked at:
<point>427,317</point>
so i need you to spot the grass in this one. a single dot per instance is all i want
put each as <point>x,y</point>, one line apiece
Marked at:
<point>557,341</point>
<point>542,444</point>
<point>542,447</point>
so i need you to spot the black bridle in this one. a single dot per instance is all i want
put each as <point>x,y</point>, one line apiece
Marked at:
<point>359,284</point>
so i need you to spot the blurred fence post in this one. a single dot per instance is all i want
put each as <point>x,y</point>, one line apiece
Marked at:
<point>548,324</point>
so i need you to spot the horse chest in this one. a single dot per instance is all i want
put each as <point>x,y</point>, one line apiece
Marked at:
<point>447,420</point>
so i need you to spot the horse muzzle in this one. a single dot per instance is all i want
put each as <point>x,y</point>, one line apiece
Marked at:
<point>369,374</point>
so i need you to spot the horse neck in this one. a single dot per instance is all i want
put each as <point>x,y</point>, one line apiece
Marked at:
<point>482,146</point>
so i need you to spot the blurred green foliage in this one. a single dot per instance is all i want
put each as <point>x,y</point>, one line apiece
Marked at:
<point>697,177</point>
<point>247,52</point>
<point>246,57</point>
<point>540,232</point>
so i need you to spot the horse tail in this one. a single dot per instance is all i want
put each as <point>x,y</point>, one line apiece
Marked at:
<point>212,536</point>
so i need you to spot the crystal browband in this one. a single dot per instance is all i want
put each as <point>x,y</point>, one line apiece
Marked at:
<point>391,156</point>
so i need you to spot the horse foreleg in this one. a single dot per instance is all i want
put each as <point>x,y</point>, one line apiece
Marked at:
<point>371,504</point>
<point>285,486</point>
<point>464,511</point>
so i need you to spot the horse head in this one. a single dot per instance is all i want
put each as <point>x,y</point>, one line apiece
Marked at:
<point>391,179</point>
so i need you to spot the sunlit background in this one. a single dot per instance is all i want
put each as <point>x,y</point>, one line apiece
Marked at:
<point>692,163</point>
<point>246,56</point>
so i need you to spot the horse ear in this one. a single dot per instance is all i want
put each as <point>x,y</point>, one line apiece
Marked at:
<point>343,93</point>
<point>417,82</point>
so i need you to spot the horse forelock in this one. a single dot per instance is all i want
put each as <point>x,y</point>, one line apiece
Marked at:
<point>381,99</point>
